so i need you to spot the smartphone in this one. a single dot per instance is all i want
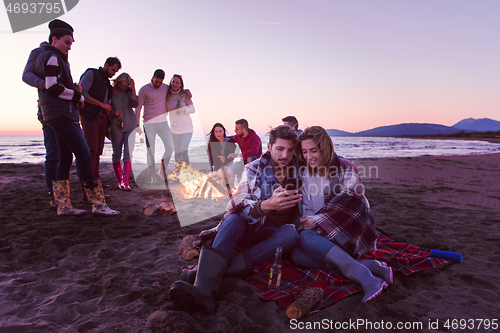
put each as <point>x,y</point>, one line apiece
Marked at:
<point>292,184</point>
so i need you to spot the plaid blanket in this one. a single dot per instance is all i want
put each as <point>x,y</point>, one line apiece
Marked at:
<point>346,218</point>
<point>402,257</point>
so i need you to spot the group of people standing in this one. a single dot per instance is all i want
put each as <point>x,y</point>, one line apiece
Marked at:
<point>103,110</point>
<point>157,99</point>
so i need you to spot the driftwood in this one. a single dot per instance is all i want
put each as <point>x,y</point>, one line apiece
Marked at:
<point>165,208</point>
<point>186,248</point>
<point>305,303</point>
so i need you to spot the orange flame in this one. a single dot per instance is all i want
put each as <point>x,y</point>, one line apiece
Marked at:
<point>197,184</point>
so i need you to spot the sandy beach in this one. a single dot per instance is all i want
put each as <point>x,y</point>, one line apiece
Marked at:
<point>112,274</point>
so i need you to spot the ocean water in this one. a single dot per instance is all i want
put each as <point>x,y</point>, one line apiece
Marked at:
<point>30,149</point>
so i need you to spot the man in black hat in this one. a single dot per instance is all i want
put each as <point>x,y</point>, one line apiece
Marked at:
<point>49,136</point>
<point>97,91</point>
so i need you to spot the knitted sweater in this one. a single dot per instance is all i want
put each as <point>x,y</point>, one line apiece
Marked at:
<point>180,120</point>
<point>124,103</point>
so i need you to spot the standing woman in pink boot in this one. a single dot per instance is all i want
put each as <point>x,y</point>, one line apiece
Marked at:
<point>60,102</point>
<point>122,127</point>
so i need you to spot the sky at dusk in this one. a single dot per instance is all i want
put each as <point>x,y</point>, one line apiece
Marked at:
<point>348,65</point>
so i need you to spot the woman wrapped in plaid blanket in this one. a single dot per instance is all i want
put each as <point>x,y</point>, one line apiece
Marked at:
<point>339,225</point>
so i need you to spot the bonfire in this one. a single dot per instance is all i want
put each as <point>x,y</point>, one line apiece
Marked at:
<point>199,184</point>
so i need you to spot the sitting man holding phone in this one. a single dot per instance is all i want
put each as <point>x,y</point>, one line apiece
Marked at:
<point>257,221</point>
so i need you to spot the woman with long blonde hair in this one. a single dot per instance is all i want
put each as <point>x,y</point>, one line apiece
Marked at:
<point>339,225</point>
<point>122,127</point>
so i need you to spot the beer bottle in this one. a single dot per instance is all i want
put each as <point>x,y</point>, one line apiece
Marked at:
<point>120,122</point>
<point>275,272</point>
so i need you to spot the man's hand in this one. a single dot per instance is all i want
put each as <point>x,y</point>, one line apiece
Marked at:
<point>233,155</point>
<point>78,87</point>
<point>106,107</point>
<point>222,158</point>
<point>118,113</point>
<point>281,200</point>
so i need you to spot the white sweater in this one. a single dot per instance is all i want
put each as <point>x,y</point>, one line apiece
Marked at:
<point>313,190</point>
<point>180,120</point>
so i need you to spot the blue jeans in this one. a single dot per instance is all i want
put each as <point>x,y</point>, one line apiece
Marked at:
<point>181,146</point>
<point>120,140</point>
<point>234,231</point>
<point>51,156</point>
<point>70,140</point>
<point>163,131</point>
<point>311,249</point>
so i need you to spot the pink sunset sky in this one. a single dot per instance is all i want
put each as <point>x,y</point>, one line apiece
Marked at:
<point>348,65</point>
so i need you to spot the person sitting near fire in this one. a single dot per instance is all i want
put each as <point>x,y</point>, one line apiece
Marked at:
<point>219,148</point>
<point>258,220</point>
<point>250,145</point>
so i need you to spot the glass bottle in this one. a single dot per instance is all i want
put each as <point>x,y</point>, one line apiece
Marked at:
<point>120,122</point>
<point>178,106</point>
<point>275,272</point>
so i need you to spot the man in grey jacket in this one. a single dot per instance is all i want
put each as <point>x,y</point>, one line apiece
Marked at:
<point>49,136</point>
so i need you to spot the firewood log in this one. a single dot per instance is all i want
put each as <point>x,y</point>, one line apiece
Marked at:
<point>305,303</point>
<point>186,248</point>
<point>167,208</point>
<point>149,209</point>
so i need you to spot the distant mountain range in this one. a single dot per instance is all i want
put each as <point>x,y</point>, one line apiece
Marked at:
<point>467,125</point>
<point>478,125</point>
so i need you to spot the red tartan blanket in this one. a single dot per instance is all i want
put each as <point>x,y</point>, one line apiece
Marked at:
<point>402,257</point>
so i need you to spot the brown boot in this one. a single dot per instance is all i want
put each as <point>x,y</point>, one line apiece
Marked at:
<point>95,194</point>
<point>61,198</point>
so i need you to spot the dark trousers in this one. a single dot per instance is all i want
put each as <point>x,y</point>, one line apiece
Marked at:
<point>51,156</point>
<point>95,133</point>
<point>70,140</point>
<point>234,231</point>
